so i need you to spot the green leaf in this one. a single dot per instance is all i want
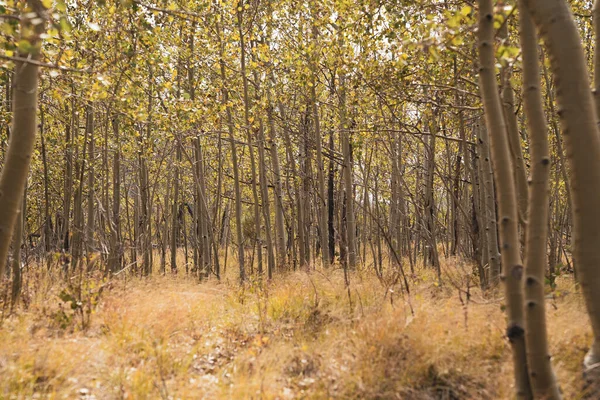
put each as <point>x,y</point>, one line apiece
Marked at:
<point>466,10</point>
<point>61,6</point>
<point>24,46</point>
<point>65,25</point>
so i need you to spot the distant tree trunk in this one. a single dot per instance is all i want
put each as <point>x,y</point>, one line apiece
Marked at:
<point>307,184</point>
<point>478,232</point>
<point>514,139</point>
<point>175,208</point>
<point>114,259</point>
<point>348,177</point>
<point>331,201</point>
<point>205,228</point>
<point>278,188</point>
<point>70,132</point>
<point>460,159</point>
<point>22,139</point>
<point>297,217</point>
<point>321,194</point>
<point>78,219</point>
<point>144,215</point>
<point>264,190</point>
<point>430,210</point>
<point>47,218</point>
<point>234,159</point>
<point>91,195</point>
<point>488,198</point>
<point>257,238</point>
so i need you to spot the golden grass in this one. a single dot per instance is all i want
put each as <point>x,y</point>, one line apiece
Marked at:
<point>302,336</point>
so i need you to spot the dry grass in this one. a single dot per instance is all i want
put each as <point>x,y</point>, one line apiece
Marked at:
<point>302,336</point>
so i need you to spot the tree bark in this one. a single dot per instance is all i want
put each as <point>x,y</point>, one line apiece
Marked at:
<point>22,139</point>
<point>543,381</point>
<point>512,272</point>
<point>582,141</point>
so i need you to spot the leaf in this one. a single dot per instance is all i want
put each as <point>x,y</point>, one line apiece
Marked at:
<point>61,6</point>
<point>65,25</point>
<point>24,46</point>
<point>466,10</point>
<point>47,3</point>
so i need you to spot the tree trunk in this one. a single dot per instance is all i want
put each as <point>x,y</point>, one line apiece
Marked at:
<point>507,198</point>
<point>22,139</point>
<point>234,159</point>
<point>321,194</point>
<point>514,140</point>
<point>488,197</point>
<point>257,228</point>
<point>279,209</point>
<point>582,141</point>
<point>114,260</point>
<point>91,195</point>
<point>543,381</point>
<point>348,178</point>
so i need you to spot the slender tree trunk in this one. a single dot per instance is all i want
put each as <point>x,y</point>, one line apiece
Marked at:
<point>234,160</point>
<point>488,196</point>
<point>114,259</point>
<point>507,198</point>
<point>578,117</point>
<point>175,209</point>
<point>478,225</point>
<point>22,139</point>
<point>47,218</point>
<point>71,131</point>
<point>257,239</point>
<point>514,139</point>
<point>541,375</point>
<point>331,202</point>
<point>348,178</point>
<point>279,208</point>
<point>91,195</point>
<point>430,210</point>
<point>321,194</point>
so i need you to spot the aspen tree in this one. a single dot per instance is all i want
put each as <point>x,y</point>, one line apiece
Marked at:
<point>512,271</point>
<point>577,113</point>
<point>248,123</point>
<point>512,129</point>
<point>541,375</point>
<point>22,139</point>
<point>321,202</point>
<point>234,157</point>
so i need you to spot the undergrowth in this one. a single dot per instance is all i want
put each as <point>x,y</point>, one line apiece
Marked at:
<point>303,335</point>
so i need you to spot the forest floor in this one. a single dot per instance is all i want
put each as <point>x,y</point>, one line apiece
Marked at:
<point>302,336</point>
